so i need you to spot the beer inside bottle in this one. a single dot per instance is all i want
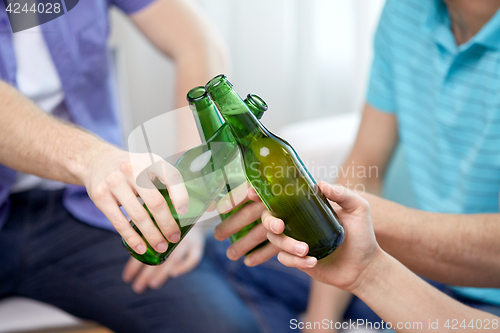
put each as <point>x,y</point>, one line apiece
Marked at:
<point>278,176</point>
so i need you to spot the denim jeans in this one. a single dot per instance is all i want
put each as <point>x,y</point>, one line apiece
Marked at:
<point>48,255</point>
<point>276,294</point>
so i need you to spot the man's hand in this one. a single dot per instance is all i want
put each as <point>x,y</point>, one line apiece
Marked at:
<point>186,256</point>
<point>344,268</point>
<point>238,221</point>
<point>112,180</point>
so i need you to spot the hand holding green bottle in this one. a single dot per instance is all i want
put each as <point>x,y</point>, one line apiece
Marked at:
<point>207,170</point>
<point>278,176</point>
<point>345,267</point>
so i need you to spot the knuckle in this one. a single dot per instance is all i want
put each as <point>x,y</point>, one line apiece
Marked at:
<point>266,221</point>
<point>126,167</point>
<point>260,232</point>
<point>113,179</point>
<point>131,240</point>
<point>246,214</point>
<point>156,203</point>
<point>153,236</point>
<point>119,223</point>
<point>289,245</point>
<point>168,224</point>
<point>169,229</point>
<point>100,192</point>
<point>138,214</point>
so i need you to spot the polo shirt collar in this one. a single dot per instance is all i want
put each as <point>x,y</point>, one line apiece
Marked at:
<point>489,35</point>
<point>439,25</point>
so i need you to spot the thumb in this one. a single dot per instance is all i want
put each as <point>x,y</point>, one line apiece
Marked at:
<point>345,198</point>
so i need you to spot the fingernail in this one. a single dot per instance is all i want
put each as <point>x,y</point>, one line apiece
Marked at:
<point>175,237</point>
<point>311,262</point>
<point>300,248</point>
<point>249,261</point>
<point>274,226</point>
<point>183,210</point>
<point>162,247</point>
<point>140,249</point>
<point>231,253</point>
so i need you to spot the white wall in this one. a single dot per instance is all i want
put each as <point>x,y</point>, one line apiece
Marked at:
<point>306,58</point>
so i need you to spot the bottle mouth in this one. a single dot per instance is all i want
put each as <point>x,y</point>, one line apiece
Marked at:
<point>196,94</point>
<point>257,101</point>
<point>217,83</point>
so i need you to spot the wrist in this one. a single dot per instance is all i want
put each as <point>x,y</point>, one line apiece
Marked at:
<point>374,275</point>
<point>81,163</point>
<point>381,211</point>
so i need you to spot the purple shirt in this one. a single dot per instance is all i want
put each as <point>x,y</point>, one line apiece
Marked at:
<point>77,44</point>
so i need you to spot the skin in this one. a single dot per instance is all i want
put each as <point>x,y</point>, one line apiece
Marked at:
<point>361,267</point>
<point>36,143</point>
<point>180,30</point>
<point>399,229</point>
<point>468,17</point>
<point>326,301</point>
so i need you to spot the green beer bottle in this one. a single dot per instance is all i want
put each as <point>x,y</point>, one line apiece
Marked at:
<point>202,169</point>
<point>202,172</point>
<point>211,129</point>
<point>236,174</point>
<point>278,176</point>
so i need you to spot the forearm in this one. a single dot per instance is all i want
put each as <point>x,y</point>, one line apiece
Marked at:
<point>368,160</point>
<point>452,249</point>
<point>401,298</point>
<point>357,173</point>
<point>36,143</point>
<point>362,170</point>
<point>326,301</point>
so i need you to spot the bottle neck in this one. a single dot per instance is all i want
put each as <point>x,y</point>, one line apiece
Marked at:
<point>242,121</point>
<point>205,114</point>
<point>256,105</point>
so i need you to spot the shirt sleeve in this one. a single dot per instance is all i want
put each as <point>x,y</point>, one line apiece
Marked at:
<point>381,94</point>
<point>131,6</point>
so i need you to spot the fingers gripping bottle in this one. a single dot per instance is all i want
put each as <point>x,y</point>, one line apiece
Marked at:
<point>202,169</point>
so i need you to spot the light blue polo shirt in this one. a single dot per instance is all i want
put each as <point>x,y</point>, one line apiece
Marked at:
<point>447,102</point>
